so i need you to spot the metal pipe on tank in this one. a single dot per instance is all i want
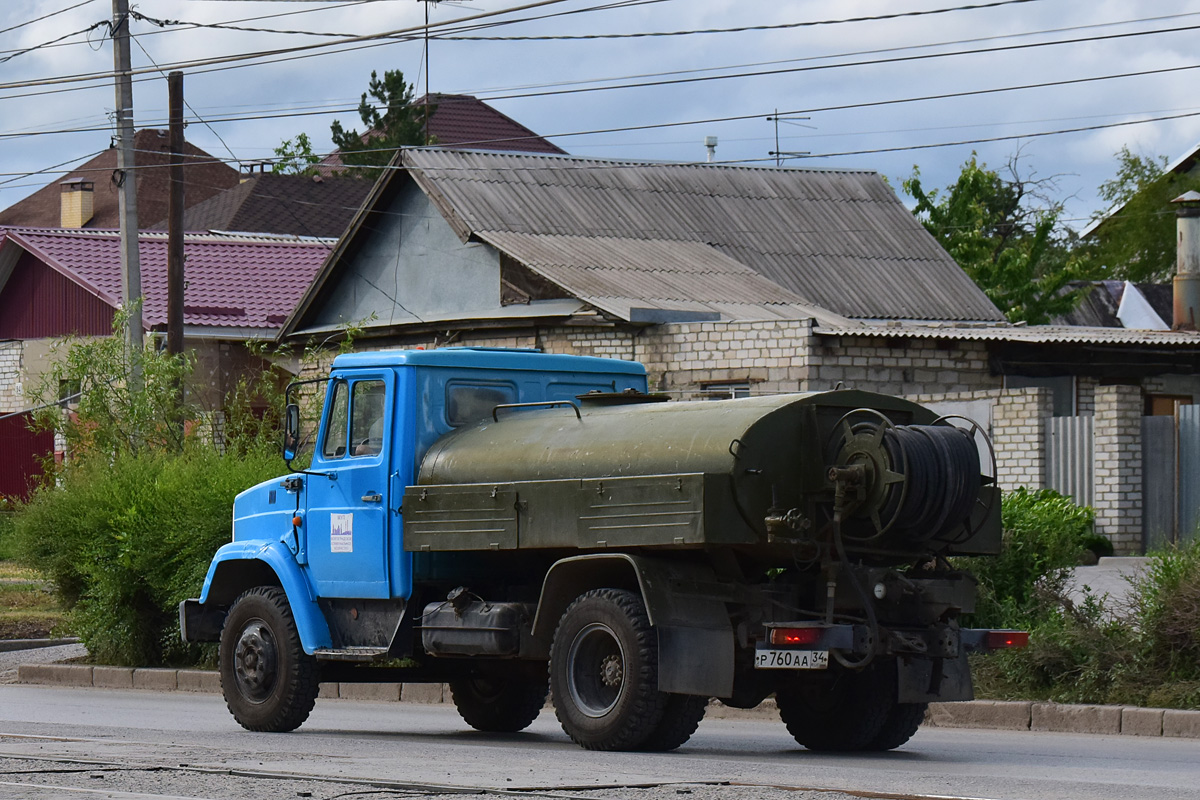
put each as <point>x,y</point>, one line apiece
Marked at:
<point>1187,261</point>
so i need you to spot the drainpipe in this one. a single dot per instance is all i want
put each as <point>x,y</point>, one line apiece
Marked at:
<point>1187,269</point>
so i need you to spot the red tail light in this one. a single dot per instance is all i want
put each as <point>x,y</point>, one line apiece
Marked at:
<point>796,636</point>
<point>1004,640</point>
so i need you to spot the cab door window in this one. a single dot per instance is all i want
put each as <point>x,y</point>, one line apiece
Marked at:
<point>366,422</point>
<point>334,445</point>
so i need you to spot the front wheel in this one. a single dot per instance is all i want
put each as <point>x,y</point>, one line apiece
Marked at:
<point>604,672</point>
<point>269,682</point>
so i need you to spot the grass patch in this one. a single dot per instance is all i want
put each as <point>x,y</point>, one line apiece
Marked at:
<point>29,608</point>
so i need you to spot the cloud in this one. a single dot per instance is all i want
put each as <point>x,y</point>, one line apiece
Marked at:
<point>487,68</point>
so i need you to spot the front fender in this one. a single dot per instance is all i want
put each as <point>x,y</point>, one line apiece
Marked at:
<point>229,576</point>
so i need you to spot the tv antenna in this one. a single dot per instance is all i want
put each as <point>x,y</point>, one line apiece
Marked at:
<point>781,156</point>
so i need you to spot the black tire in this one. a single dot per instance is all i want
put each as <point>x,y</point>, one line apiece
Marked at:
<point>604,672</point>
<point>680,719</point>
<point>844,710</point>
<point>269,682</point>
<point>499,702</point>
<point>899,726</point>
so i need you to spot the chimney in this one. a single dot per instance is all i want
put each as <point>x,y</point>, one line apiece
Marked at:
<point>710,142</point>
<point>1187,261</point>
<point>76,206</point>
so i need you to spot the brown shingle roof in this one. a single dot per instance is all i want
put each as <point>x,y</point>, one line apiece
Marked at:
<point>204,176</point>
<point>297,205</point>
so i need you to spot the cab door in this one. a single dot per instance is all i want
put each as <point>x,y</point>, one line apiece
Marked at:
<point>347,523</point>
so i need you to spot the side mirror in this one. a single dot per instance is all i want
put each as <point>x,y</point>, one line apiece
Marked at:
<point>291,432</point>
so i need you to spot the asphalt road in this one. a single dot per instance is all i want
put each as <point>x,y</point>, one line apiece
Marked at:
<point>57,742</point>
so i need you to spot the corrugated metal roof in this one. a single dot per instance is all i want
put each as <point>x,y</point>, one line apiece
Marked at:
<point>1035,334</point>
<point>618,275</point>
<point>837,239</point>
<point>232,281</point>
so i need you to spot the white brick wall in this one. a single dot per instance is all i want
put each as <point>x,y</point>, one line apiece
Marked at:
<point>1019,435</point>
<point>12,389</point>
<point>1118,467</point>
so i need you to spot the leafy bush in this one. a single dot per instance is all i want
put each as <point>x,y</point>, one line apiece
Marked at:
<point>1044,535</point>
<point>125,540</point>
<point>126,526</point>
<point>1146,652</point>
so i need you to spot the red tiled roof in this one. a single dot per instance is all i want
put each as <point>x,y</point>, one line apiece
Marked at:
<point>462,120</point>
<point>232,281</point>
<point>203,176</point>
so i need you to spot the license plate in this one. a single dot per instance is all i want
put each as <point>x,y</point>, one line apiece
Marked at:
<point>791,659</point>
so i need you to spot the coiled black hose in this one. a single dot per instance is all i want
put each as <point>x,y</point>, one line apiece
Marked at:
<point>942,478</point>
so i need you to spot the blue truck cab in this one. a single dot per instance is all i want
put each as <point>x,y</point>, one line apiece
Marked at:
<point>336,530</point>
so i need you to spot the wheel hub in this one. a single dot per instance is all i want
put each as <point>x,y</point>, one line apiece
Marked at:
<point>256,660</point>
<point>611,672</point>
<point>596,670</point>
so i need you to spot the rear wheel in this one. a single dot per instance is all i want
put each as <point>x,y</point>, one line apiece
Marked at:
<point>269,682</point>
<point>604,672</point>
<point>680,719</point>
<point>845,711</point>
<point>500,701</point>
<point>899,726</point>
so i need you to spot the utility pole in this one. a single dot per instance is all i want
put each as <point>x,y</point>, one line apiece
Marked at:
<point>175,265</point>
<point>126,180</point>
<point>427,99</point>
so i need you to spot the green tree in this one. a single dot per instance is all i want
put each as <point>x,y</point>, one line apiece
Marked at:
<point>1136,242</point>
<point>391,120</point>
<point>295,157</point>
<point>1004,231</point>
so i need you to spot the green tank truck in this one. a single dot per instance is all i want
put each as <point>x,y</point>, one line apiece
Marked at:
<point>521,521</point>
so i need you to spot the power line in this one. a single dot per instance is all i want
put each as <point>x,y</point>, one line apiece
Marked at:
<point>849,54</point>
<point>739,29</point>
<point>14,53</point>
<point>990,139</point>
<point>642,34</point>
<point>284,51</point>
<point>874,62</point>
<point>44,16</point>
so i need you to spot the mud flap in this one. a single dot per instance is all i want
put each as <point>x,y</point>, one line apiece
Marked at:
<point>695,661</point>
<point>930,680</point>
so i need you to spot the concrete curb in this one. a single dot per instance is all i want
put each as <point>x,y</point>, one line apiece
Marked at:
<point>12,645</point>
<point>986,714</point>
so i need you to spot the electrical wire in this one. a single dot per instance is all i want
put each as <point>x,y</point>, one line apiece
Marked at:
<point>739,29</point>
<point>14,53</point>
<point>233,58</point>
<point>641,34</point>
<point>840,65</point>
<point>44,16</point>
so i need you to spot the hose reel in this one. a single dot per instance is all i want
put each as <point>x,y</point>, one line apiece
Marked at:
<point>913,483</point>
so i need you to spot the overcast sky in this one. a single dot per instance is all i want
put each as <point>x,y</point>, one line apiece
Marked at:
<point>866,64</point>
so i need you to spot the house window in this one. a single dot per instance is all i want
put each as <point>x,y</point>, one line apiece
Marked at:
<point>1166,405</point>
<point>1062,390</point>
<point>725,390</point>
<point>68,394</point>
